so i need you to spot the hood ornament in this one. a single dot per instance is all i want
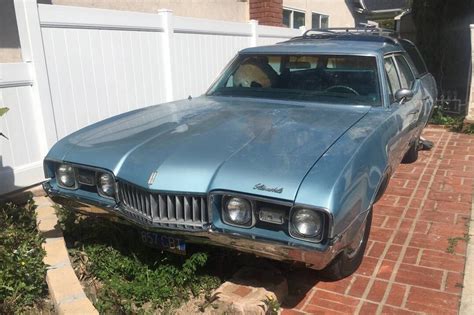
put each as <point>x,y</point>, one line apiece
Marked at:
<point>262,187</point>
<point>152,178</point>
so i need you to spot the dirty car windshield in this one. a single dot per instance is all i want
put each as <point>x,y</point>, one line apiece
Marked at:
<point>338,79</point>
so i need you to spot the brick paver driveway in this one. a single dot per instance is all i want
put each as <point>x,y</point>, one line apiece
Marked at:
<point>416,252</point>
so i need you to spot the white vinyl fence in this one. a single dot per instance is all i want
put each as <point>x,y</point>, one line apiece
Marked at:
<point>82,65</point>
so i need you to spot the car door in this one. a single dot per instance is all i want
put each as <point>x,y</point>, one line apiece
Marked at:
<point>427,81</point>
<point>414,106</point>
<point>406,113</point>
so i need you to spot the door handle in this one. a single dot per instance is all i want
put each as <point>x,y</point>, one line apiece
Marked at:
<point>413,112</point>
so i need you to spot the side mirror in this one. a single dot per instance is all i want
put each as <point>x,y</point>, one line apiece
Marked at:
<point>403,95</point>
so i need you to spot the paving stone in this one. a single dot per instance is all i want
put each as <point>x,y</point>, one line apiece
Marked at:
<point>246,292</point>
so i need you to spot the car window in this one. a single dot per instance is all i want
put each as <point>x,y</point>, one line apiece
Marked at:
<point>415,56</point>
<point>406,76</point>
<point>392,76</point>
<point>338,79</point>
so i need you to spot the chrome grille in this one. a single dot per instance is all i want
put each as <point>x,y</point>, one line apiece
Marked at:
<point>178,211</point>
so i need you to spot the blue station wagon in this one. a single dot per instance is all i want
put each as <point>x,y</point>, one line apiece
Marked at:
<point>283,157</point>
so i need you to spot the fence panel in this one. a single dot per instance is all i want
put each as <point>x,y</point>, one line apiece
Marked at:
<point>199,54</point>
<point>99,66</point>
<point>20,155</point>
<point>269,35</point>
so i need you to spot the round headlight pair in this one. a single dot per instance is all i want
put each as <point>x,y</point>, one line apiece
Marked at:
<point>106,184</point>
<point>238,211</point>
<point>306,223</point>
<point>66,176</point>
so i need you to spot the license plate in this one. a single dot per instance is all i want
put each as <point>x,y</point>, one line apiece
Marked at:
<point>165,242</point>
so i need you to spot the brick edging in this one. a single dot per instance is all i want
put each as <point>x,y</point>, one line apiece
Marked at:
<point>467,297</point>
<point>64,288</point>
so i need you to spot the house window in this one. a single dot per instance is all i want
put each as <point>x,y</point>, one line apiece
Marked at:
<point>293,18</point>
<point>319,20</point>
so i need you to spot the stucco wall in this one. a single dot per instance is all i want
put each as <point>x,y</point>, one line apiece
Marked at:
<point>228,10</point>
<point>339,11</point>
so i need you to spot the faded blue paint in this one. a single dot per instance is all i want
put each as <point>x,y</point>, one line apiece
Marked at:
<point>332,157</point>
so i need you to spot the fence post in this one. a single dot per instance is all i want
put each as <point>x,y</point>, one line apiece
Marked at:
<point>253,33</point>
<point>470,103</point>
<point>167,16</point>
<point>32,52</point>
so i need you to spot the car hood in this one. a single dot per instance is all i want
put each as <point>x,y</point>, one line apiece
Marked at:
<point>208,143</point>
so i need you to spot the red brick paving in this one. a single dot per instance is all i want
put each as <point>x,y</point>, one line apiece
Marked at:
<point>407,268</point>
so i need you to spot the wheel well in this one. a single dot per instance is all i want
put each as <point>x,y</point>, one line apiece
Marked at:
<point>382,187</point>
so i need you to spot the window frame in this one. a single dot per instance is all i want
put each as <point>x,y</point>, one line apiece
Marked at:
<point>391,93</point>
<point>418,62</point>
<point>292,19</point>
<point>380,72</point>
<point>409,69</point>
<point>321,15</point>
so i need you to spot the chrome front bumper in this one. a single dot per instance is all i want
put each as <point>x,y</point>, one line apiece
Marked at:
<point>315,259</point>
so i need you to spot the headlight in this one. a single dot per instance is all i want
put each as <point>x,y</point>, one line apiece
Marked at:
<point>238,211</point>
<point>65,176</point>
<point>306,223</point>
<point>106,184</point>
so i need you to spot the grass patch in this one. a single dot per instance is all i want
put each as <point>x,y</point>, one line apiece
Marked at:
<point>22,271</point>
<point>125,276</point>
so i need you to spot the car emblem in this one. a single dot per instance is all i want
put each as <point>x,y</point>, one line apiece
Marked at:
<point>262,187</point>
<point>152,178</point>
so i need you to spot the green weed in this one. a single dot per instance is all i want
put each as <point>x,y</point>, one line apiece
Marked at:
<point>22,271</point>
<point>273,306</point>
<point>132,278</point>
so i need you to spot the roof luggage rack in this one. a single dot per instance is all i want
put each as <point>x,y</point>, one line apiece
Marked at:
<point>364,32</point>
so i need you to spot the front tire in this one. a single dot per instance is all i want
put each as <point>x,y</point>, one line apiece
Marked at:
<point>349,260</point>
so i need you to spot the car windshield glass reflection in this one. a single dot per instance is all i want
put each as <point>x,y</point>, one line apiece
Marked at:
<point>334,79</point>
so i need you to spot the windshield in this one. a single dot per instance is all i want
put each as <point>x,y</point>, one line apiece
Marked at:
<point>338,79</point>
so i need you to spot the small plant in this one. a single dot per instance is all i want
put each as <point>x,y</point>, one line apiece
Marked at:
<point>273,306</point>
<point>3,111</point>
<point>453,242</point>
<point>22,271</point>
<point>127,276</point>
<point>454,122</point>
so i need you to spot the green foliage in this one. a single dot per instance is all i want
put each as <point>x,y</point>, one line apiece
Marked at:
<point>439,118</point>
<point>22,271</point>
<point>273,306</point>
<point>132,278</point>
<point>3,111</point>
<point>455,123</point>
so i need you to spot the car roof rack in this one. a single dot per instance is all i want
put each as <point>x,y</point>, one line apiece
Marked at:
<point>363,33</point>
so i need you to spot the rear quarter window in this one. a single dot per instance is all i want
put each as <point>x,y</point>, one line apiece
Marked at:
<point>415,56</point>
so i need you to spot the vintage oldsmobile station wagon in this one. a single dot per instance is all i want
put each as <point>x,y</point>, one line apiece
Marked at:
<point>284,156</point>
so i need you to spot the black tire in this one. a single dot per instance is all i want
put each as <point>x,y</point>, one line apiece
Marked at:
<point>412,154</point>
<point>346,264</point>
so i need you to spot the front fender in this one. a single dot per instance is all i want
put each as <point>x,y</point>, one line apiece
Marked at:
<point>349,176</point>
